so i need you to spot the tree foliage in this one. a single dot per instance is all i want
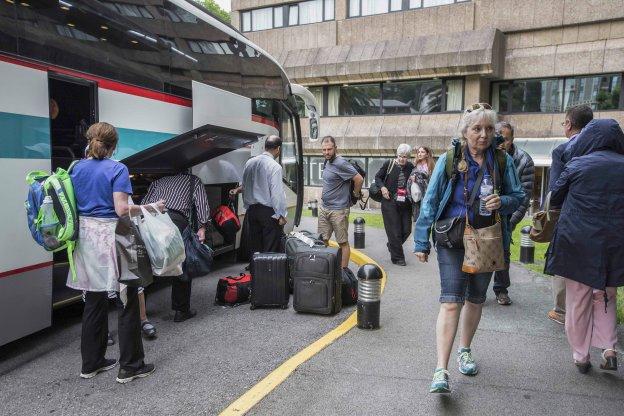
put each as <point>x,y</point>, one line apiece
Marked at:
<point>215,9</point>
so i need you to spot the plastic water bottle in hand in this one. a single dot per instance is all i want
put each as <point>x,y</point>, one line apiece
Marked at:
<point>49,223</point>
<point>486,189</point>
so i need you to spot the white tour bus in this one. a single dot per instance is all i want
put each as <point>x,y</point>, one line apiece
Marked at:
<point>184,90</point>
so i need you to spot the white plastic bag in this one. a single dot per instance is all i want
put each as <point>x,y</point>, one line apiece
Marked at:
<point>163,242</point>
<point>416,193</point>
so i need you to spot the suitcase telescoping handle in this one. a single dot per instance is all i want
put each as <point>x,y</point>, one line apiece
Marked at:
<point>242,275</point>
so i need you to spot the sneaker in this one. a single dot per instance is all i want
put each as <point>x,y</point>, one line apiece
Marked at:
<point>556,316</point>
<point>503,299</point>
<point>106,365</point>
<point>467,365</point>
<point>440,382</point>
<point>126,376</point>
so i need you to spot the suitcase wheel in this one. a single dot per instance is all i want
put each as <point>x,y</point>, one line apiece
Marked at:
<point>284,306</point>
<point>252,307</point>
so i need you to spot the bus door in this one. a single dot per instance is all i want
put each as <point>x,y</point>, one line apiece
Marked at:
<point>25,267</point>
<point>73,108</point>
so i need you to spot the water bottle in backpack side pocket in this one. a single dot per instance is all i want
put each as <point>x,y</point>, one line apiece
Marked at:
<point>486,189</point>
<point>49,223</point>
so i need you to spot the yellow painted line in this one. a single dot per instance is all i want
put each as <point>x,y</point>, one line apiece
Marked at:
<point>265,386</point>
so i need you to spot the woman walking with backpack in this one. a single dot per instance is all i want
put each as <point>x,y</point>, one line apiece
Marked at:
<point>395,206</point>
<point>102,187</point>
<point>450,201</point>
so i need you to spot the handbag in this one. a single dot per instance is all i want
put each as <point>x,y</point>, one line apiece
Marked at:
<point>544,223</point>
<point>233,291</point>
<point>483,247</point>
<point>449,232</point>
<point>374,191</point>
<point>133,262</point>
<point>198,255</point>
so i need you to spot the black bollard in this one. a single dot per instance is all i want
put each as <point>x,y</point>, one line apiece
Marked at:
<point>369,296</point>
<point>359,236</point>
<point>314,205</point>
<point>527,246</point>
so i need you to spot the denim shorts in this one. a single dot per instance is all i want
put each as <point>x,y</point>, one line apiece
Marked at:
<point>457,286</point>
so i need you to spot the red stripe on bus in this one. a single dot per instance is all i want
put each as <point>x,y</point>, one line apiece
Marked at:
<point>26,269</point>
<point>264,120</point>
<point>104,83</point>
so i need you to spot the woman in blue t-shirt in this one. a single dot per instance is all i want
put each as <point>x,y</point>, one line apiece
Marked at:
<point>102,187</point>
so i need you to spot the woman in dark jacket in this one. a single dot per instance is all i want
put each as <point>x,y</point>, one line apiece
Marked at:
<point>396,207</point>
<point>588,244</point>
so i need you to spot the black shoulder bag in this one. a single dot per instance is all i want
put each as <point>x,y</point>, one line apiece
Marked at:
<point>374,191</point>
<point>198,255</point>
<point>449,232</point>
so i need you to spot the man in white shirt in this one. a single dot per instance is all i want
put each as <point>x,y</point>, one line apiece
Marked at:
<point>264,198</point>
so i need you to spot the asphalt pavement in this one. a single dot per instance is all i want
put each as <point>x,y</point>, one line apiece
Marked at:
<point>204,364</point>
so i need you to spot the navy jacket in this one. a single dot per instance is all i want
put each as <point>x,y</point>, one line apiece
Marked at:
<point>588,243</point>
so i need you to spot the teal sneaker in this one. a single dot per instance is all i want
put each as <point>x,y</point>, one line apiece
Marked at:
<point>467,365</point>
<point>440,382</point>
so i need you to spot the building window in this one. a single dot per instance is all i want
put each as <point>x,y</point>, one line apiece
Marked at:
<point>262,19</point>
<point>305,12</point>
<point>401,97</point>
<point>209,48</point>
<point>72,32</point>
<point>600,92</point>
<point>371,7</point>
<point>412,97</point>
<point>364,99</point>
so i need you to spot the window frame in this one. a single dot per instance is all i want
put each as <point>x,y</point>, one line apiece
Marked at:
<point>564,79</point>
<point>381,84</point>
<point>405,6</point>
<point>285,16</point>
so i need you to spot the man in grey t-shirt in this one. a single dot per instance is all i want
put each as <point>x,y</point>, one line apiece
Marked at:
<point>336,199</point>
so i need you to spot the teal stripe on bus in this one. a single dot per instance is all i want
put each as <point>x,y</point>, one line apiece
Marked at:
<point>24,137</point>
<point>133,141</point>
<point>28,137</point>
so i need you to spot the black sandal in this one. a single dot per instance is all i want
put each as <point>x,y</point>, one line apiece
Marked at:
<point>609,363</point>
<point>149,330</point>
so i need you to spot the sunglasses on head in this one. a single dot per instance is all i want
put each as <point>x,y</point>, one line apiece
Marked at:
<point>476,106</point>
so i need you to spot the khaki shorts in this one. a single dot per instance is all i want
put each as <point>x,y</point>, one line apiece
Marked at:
<point>336,221</point>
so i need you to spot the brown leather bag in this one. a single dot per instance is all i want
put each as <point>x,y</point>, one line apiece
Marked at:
<point>544,223</point>
<point>483,248</point>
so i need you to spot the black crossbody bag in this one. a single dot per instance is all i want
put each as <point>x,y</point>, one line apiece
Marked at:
<point>449,232</point>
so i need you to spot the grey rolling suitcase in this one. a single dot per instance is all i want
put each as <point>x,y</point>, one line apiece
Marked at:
<point>269,280</point>
<point>318,281</point>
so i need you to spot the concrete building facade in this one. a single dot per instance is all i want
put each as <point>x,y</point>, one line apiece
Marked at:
<point>401,71</point>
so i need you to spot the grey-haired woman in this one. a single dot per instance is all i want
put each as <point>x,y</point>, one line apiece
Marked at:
<point>396,206</point>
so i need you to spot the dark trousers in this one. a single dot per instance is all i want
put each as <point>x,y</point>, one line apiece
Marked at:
<point>501,277</point>
<point>265,231</point>
<point>398,224</point>
<point>181,285</point>
<point>95,332</point>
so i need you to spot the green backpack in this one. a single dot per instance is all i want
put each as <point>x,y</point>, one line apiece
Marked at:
<point>58,186</point>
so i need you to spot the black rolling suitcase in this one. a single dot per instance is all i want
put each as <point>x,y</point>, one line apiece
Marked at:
<point>318,281</point>
<point>293,245</point>
<point>269,280</point>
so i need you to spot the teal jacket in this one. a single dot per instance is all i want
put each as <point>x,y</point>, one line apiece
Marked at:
<point>439,192</point>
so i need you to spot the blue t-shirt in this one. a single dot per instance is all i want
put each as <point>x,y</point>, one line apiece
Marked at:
<point>94,183</point>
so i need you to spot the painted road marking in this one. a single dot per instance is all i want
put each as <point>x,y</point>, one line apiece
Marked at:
<point>265,386</point>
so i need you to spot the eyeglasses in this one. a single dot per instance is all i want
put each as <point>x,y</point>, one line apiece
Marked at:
<point>476,106</point>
